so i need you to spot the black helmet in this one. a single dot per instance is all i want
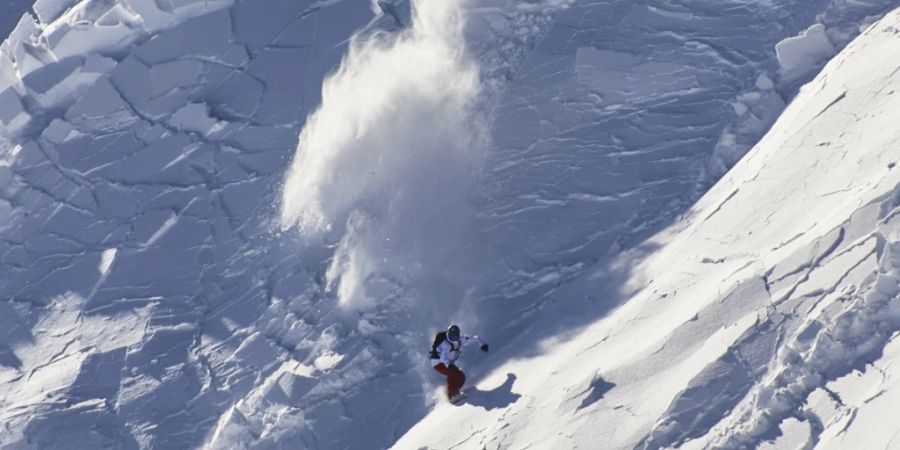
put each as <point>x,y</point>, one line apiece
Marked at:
<point>453,333</point>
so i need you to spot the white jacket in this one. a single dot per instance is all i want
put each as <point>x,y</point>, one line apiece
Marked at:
<point>448,352</point>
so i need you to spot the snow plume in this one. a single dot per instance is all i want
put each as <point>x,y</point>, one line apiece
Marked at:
<point>383,167</point>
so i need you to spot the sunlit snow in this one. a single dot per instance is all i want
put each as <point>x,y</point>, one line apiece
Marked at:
<point>239,223</point>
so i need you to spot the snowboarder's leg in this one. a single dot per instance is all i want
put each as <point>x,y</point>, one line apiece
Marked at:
<point>448,372</point>
<point>442,369</point>
<point>455,378</point>
<point>455,381</point>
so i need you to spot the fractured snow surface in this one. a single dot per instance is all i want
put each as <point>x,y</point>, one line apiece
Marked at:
<point>155,293</point>
<point>768,317</point>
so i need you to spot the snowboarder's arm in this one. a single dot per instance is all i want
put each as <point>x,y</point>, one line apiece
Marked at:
<point>466,340</point>
<point>444,354</point>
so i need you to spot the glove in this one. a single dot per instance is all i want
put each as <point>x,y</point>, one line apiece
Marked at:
<point>484,348</point>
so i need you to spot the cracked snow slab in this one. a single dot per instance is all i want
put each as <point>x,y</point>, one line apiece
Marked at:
<point>136,250</point>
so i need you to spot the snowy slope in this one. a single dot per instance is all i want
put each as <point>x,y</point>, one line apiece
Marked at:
<point>635,148</point>
<point>767,317</point>
<point>171,278</point>
<point>137,262</point>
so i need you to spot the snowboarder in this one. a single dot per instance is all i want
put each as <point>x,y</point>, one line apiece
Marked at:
<point>445,351</point>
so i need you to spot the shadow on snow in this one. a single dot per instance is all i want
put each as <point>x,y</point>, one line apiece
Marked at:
<point>498,397</point>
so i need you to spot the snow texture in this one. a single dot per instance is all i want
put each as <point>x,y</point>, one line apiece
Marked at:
<point>237,224</point>
<point>767,317</point>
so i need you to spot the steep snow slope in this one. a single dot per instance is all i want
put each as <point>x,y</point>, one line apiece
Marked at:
<point>769,316</point>
<point>591,105</point>
<point>149,297</point>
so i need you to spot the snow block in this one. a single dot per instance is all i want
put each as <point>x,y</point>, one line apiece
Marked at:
<point>258,139</point>
<point>206,37</point>
<point>238,95</point>
<point>115,202</point>
<point>100,376</point>
<point>258,23</point>
<point>48,10</point>
<point>13,116</point>
<point>338,21</point>
<point>83,39</point>
<point>151,223</point>
<point>295,386</point>
<point>195,117</point>
<point>230,170</point>
<point>27,58</point>
<point>241,199</point>
<point>164,161</point>
<point>180,73</point>
<point>174,272</point>
<point>173,409</point>
<point>30,157</point>
<point>265,163</point>
<point>58,131</point>
<point>101,109</point>
<point>51,182</point>
<point>160,108</point>
<point>236,314</point>
<point>186,231</point>
<point>41,80</point>
<point>10,105</point>
<point>801,54</point>
<point>300,32</point>
<point>65,273</point>
<point>256,352</point>
<point>132,78</point>
<point>153,17</point>
<point>164,347</point>
<point>80,226</point>
<point>89,424</point>
<point>170,197</point>
<point>282,72</point>
<point>85,153</point>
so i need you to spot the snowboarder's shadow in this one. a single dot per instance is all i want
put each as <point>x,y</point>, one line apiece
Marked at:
<point>499,397</point>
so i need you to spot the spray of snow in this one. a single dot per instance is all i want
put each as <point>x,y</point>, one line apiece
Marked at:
<point>385,164</point>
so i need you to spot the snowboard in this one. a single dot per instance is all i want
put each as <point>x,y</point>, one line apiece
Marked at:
<point>460,399</point>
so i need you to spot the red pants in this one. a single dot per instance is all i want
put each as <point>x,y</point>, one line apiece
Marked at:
<point>455,378</point>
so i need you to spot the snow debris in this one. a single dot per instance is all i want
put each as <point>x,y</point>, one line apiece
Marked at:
<point>801,54</point>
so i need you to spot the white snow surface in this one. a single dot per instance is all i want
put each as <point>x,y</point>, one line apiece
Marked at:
<point>237,224</point>
<point>767,317</point>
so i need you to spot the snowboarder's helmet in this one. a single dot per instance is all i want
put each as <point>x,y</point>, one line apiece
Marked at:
<point>453,333</point>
